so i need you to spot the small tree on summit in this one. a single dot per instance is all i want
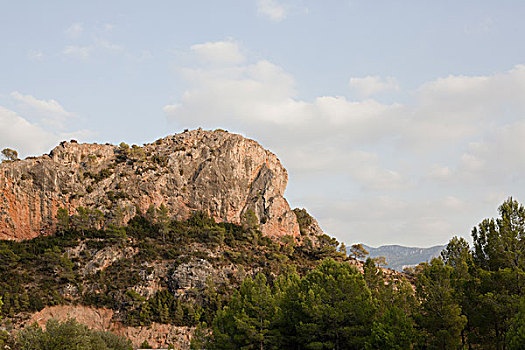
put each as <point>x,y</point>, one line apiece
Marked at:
<point>357,251</point>
<point>10,154</point>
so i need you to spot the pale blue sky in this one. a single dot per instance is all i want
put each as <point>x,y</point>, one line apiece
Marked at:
<point>399,121</point>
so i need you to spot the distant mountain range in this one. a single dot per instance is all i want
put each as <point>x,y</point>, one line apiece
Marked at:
<point>398,256</point>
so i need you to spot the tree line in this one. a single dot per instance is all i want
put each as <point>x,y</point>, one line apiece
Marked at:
<point>468,298</point>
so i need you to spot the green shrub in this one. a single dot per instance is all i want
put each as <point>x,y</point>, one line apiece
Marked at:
<point>68,335</point>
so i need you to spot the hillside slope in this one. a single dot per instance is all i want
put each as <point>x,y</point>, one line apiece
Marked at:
<point>398,256</point>
<point>152,279</point>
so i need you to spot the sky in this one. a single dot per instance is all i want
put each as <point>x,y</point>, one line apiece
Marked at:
<point>399,122</point>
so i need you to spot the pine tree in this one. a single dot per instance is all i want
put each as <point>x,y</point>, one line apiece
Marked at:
<point>178,315</point>
<point>357,251</point>
<point>10,154</point>
<point>440,317</point>
<point>163,221</point>
<point>336,307</point>
<point>246,321</point>
<point>62,220</point>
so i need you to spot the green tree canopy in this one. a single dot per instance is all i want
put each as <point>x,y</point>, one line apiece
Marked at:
<point>245,322</point>
<point>357,251</point>
<point>440,317</point>
<point>500,243</point>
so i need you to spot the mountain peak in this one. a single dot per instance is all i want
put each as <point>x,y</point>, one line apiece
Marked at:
<point>223,174</point>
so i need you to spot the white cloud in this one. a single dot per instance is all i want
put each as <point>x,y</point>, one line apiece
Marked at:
<point>439,172</point>
<point>497,158</point>
<point>97,46</point>
<point>454,145</point>
<point>252,93</point>
<point>371,85</point>
<point>222,52</point>
<point>49,107</point>
<point>17,132</point>
<point>74,30</point>
<point>35,126</point>
<point>474,98</point>
<point>271,9</point>
<point>49,112</point>
<point>454,203</point>
<point>260,94</point>
<point>251,96</point>
<point>453,111</point>
<point>105,44</point>
<point>77,51</point>
<point>30,138</point>
<point>363,168</point>
<point>260,98</point>
<point>366,170</point>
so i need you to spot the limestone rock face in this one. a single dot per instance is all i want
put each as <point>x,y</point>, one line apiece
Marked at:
<point>190,275</point>
<point>104,258</point>
<point>223,174</point>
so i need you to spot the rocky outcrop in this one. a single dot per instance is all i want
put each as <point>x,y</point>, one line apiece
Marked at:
<point>308,226</point>
<point>152,275</point>
<point>190,275</point>
<point>157,335</point>
<point>104,258</point>
<point>222,174</point>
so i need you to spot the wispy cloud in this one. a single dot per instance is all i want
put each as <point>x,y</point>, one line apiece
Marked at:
<point>50,111</point>
<point>94,41</point>
<point>272,10</point>
<point>30,138</point>
<point>86,51</point>
<point>77,51</point>
<point>75,30</point>
<point>43,106</point>
<point>222,52</point>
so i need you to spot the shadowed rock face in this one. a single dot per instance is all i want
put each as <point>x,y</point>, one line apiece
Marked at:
<point>223,174</point>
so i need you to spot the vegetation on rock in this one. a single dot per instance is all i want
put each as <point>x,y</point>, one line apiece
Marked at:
<point>152,270</point>
<point>67,335</point>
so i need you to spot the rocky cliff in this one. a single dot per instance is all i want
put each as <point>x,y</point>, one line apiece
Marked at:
<point>225,175</point>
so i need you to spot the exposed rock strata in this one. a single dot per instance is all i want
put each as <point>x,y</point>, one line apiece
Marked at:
<point>223,174</point>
